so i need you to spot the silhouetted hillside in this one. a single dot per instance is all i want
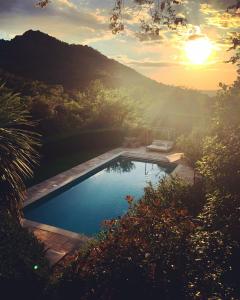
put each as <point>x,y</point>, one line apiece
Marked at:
<point>36,55</point>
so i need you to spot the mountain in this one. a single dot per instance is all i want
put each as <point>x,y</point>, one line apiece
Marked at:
<point>36,55</point>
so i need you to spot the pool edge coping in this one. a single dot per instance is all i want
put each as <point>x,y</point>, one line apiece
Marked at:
<point>67,233</point>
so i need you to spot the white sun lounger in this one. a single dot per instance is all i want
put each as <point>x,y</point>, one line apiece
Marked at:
<point>160,146</point>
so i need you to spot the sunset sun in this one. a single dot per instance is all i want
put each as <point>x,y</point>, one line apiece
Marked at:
<point>198,50</point>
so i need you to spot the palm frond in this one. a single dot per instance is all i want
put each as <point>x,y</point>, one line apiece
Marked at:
<point>18,152</point>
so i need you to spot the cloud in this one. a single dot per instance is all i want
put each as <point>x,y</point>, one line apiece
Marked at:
<point>67,3</point>
<point>6,6</point>
<point>153,64</point>
<point>63,18</point>
<point>219,17</point>
<point>194,37</point>
<point>148,37</point>
<point>145,63</point>
<point>219,4</point>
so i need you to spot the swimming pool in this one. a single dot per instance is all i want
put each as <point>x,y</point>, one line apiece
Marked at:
<point>83,205</point>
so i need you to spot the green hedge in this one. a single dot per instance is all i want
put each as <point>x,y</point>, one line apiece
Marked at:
<point>83,140</point>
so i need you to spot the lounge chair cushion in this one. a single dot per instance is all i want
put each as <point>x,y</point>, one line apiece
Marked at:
<point>161,146</point>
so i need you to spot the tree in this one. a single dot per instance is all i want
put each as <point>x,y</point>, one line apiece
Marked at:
<point>17,151</point>
<point>191,145</point>
<point>42,3</point>
<point>162,13</point>
<point>220,163</point>
<point>214,246</point>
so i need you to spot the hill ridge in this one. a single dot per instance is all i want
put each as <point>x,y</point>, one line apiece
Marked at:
<point>37,55</point>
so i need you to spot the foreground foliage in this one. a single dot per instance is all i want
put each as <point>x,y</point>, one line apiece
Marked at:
<point>23,268</point>
<point>161,250</point>
<point>142,255</point>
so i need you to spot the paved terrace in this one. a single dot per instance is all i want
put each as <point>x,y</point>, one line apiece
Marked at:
<point>58,242</point>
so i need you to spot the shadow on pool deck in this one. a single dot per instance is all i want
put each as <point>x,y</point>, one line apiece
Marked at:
<point>59,243</point>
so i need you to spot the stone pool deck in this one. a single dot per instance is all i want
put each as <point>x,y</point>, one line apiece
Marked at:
<point>58,242</point>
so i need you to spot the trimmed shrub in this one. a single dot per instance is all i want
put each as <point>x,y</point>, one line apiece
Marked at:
<point>83,140</point>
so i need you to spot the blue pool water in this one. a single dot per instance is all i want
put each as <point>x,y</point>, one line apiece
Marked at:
<point>84,205</point>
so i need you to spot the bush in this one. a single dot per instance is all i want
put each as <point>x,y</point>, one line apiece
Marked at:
<point>192,146</point>
<point>159,250</point>
<point>178,193</point>
<point>23,268</point>
<point>220,164</point>
<point>214,250</point>
<point>213,266</point>
<point>140,256</point>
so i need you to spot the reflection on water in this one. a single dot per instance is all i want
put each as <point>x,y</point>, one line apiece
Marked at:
<point>121,165</point>
<point>125,165</point>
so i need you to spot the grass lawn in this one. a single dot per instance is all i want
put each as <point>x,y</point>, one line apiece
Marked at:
<point>50,167</point>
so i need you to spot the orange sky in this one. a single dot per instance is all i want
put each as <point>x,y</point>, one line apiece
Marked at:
<point>203,78</point>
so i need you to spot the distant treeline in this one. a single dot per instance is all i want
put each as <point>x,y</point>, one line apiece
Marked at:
<point>61,112</point>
